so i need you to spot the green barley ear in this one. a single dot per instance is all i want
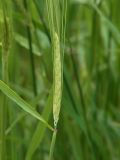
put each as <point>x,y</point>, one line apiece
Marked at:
<point>57,77</point>
<point>57,32</point>
<point>56,21</point>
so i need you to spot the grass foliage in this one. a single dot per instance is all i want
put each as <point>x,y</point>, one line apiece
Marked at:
<point>59,80</point>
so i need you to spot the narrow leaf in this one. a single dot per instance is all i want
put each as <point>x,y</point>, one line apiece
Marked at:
<point>21,103</point>
<point>40,129</point>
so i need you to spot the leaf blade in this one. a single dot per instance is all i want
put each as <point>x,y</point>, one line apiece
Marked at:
<point>40,129</point>
<point>22,103</point>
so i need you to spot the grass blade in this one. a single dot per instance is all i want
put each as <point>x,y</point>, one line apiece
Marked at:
<point>23,104</point>
<point>40,130</point>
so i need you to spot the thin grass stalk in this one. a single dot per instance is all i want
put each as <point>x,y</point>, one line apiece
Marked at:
<point>5,55</point>
<point>97,64</point>
<point>94,64</point>
<point>108,64</point>
<point>63,32</point>
<point>29,35</point>
<point>46,31</point>
<point>52,144</point>
<point>42,19</point>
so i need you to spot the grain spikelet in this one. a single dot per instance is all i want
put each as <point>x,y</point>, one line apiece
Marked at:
<point>57,78</point>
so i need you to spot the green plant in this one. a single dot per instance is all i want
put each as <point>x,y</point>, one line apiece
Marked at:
<point>59,80</point>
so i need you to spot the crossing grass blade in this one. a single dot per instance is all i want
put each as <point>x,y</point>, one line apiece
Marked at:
<point>21,103</point>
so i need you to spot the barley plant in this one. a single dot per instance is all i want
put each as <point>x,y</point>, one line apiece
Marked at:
<point>59,80</point>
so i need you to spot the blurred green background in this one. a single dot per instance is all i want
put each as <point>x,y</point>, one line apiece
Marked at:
<point>89,125</point>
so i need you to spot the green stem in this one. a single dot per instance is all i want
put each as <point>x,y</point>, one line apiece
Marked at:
<point>95,60</point>
<point>42,19</point>
<point>52,144</point>
<point>108,65</point>
<point>3,108</point>
<point>31,54</point>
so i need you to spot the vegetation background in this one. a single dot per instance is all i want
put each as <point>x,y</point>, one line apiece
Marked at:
<point>89,123</point>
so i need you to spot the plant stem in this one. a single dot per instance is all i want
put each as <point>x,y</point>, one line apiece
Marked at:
<point>31,53</point>
<point>52,144</point>
<point>3,108</point>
